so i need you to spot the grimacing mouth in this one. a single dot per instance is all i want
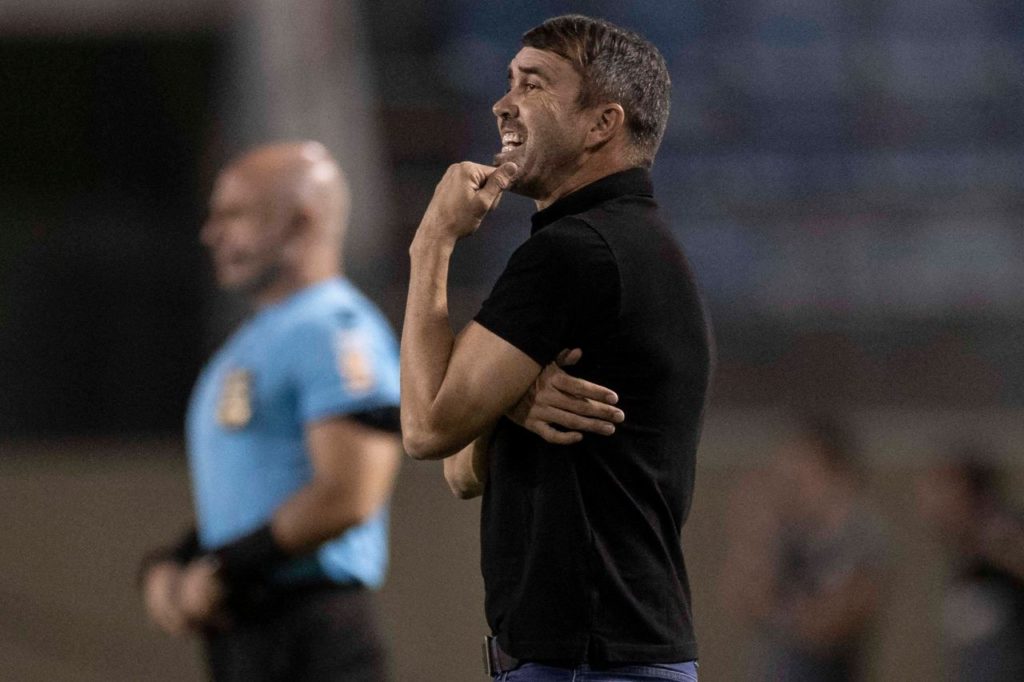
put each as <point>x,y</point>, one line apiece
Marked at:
<point>511,139</point>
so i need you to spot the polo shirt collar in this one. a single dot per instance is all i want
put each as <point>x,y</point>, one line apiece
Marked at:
<point>631,181</point>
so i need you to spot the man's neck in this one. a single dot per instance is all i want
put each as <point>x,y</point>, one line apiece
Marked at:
<point>287,285</point>
<point>587,173</point>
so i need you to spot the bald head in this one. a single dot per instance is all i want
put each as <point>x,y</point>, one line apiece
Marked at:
<point>277,218</point>
<point>297,177</point>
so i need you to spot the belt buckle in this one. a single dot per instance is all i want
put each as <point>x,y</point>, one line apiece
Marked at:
<point>489,666</point>
<point>497,661</point>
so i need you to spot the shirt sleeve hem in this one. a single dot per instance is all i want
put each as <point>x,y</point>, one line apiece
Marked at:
<point>542,356</point>
<point>347,409</point>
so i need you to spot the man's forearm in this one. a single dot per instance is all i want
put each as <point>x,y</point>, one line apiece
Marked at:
<point>453,388</point>
<point>427,338</point>
<point>311,517</point>
<point>466,471</point>
<point>354,470</point>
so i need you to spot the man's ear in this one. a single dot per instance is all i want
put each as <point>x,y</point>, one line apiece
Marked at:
<point>610,119</point>
<point>297,231</point>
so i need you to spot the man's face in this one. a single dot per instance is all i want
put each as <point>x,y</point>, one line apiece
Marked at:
<point>241,234</point>
<point>804,480</point>
<point>542,127</point>
<point>944,503</point>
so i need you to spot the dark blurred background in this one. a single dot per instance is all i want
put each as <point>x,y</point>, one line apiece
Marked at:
<point>847,177</point>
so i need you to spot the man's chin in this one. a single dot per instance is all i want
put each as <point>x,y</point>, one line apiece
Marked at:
<point>516,187</point>
<point>235,282</point>
<point>231,285</point>
<point>249,282</point>
<point>514,155</point>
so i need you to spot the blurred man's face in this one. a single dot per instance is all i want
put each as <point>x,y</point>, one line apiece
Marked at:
<point>804,480</point>
<point>944,503</point>
<point>243,235</point>
<point>541,125</point>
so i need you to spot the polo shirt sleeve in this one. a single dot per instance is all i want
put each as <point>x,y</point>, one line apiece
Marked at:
<point>560,282</point>
<point>343,365</point>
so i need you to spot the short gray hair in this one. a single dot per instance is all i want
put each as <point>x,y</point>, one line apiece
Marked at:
<point>615,65</point>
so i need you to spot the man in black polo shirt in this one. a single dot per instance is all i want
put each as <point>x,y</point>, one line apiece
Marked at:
<point>581,557</point>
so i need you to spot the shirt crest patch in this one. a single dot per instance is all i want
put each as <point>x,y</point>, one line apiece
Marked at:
<point>353,359</point>
<point>234,411</point>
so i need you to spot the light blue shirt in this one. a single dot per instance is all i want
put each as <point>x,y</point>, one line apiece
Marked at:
<point>325,351</point>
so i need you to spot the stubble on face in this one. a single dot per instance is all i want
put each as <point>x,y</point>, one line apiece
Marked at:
<point>238,238</point>
<point>539,121</point>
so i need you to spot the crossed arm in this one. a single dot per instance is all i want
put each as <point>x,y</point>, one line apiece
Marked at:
<point>454,389</point>
<point>554,398</point>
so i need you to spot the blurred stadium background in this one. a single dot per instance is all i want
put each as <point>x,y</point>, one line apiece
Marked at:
<point>847,176</point>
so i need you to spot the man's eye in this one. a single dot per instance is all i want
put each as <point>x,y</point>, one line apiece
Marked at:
<point>530,86</point>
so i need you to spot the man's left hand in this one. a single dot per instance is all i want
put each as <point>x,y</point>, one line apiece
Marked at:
<point>566,401</point>
<point>201,592</point>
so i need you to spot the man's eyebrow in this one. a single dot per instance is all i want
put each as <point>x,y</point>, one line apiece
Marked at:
<point>528,70</point>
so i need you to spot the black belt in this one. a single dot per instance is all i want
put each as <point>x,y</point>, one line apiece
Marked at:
<point>497,661</point>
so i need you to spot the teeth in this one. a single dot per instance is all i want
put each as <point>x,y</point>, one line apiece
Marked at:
<point>510,139</point>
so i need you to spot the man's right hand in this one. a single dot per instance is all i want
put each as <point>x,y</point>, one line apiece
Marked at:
<point>464,196</point>
<point>160,591</point>
<point>571,403</point>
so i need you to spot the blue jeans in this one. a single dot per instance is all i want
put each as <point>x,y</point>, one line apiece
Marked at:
<point>636,672</point>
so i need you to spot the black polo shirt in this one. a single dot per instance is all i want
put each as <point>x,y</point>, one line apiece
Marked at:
<point>581,549</point>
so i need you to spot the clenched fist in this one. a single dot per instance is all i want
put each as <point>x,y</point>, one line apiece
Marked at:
<point>466,193</point>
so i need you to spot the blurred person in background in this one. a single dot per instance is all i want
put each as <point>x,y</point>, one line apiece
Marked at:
<point>983,608</point>
<point>806,558</point>
<point>291,436</point>
<point>583,569</point>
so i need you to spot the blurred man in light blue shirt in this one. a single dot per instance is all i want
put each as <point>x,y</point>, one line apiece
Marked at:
<point>292,440</point>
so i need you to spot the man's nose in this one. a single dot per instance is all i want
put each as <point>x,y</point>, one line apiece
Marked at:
<point>208,233</point>
<point>505,107</point>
